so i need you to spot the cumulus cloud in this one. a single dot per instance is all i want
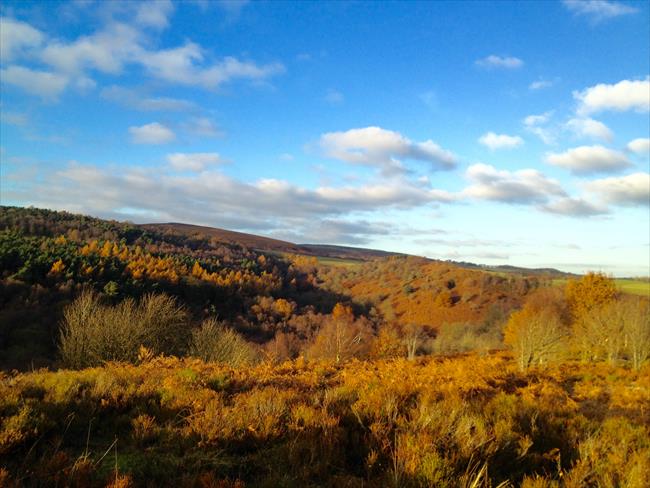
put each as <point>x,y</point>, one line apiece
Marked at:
<point>336,231</point>
<point>586,160</point>
<point>153,133</point>
<point>639,146</point>
<point>494,61</point>
<point>107,51</point>
<point>213,198</point>
<point>138,101</point>
<point>526,186</point>
<point>538,125</point>
<point>154,14</point>
<point>195,162</point>
<point>40,83</point>
<point>622,96</point>
<point>574,207</point>
<point>383,148</point>
<point>540,84</point>
<point>500,141</point>
<point>120,44</point>
<point>17,37</point>
<point>590,128</point>
<point>630,190</point>
<point>598,10</point>
<point>203,127</point>
<point>186,65</point>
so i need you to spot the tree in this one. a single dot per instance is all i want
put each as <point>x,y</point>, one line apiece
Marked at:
<point>535,335</point>
<point>587,298</point>
<point>215,342</point>
<point>341,338</point>
<point>412,335</point>
<point>92,333</point>
<point>636,330</point>
<point>593,290</point>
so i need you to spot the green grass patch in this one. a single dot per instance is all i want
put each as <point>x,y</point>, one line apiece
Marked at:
<point>345,263</point>
<point>626,285</point>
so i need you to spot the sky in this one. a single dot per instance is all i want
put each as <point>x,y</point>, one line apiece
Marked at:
<point>493,132</point>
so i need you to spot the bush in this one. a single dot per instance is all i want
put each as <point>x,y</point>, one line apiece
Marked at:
<point>214,342</point>
<point>92,333</point>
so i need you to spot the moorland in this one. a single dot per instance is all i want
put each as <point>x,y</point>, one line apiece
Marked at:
<point>170,354</point>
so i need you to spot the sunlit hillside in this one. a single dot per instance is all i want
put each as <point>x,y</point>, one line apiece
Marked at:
<point>337,244</point>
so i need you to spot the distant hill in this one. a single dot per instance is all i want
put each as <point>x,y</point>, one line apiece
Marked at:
<point>260,243</point>
<point>506,268</point>
<point>227,236</point>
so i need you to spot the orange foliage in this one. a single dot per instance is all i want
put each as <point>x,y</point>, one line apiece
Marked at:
<point>57,268</point>
<point>589,292</point>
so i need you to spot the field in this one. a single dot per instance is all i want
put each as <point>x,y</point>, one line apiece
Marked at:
<point>626,285</point>
<point>469,421</point>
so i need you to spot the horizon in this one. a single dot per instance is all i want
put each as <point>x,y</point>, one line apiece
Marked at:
<point>497,133</point>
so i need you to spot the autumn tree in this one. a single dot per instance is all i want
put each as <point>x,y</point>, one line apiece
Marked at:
<point>587,299</point>
<point>342,337</point>
<point>92,332</point>
<point>636,330</point>
<point>591,291</point>
<point>215,342</point>
<point>538,331</point>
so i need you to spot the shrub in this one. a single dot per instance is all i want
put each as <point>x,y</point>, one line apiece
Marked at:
<point>92,332</point>
<point>214,342</point>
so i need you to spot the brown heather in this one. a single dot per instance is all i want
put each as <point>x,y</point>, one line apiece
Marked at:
<point>464,421</point>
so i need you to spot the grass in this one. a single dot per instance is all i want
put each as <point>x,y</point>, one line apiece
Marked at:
<point>634,287</point>
<point>463,421</point>
<point>341,262</point>
<point>631,286</point>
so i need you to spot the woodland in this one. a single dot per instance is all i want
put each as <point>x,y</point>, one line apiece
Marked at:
<point>161,355</point>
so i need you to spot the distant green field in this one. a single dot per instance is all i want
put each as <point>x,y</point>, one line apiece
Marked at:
<point>346,263</point>
<point>626,285</point>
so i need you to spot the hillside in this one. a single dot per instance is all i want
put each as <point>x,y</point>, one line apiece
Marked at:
<point>272,291</point>
<point>225,236</point>
<point>167,354</point>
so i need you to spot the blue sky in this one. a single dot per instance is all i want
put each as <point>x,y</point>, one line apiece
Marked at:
<point>494,132</point>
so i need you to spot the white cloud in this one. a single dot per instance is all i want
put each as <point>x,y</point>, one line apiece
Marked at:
<point>212,198</point>
<point>590,128</point>
<point>154,133</point>
<point>586,160</point>
<point>13,118</point>
<point>540,84</point>
<point>379,147</point>
<point>622,96</point>
<point>106,51</point>
<point>538,125</point>
<point>639,146</point>
<point>494,61</point>
<point>17,37</point>
<point>203,127</point>
<point>630,190</point>
<point>598,10</point>
<point>334,97</point>
<point>500,141</point>
<point>184,65</point>
<point>133,99</point>
<point>154,14</point>
<point>119,44</point>
<point>574,207</point>
<point>526,186</point>
<point>40,83</point>
<point>195,162</point>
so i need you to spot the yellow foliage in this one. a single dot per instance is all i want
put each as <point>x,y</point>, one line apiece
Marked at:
<point>57,268</point>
